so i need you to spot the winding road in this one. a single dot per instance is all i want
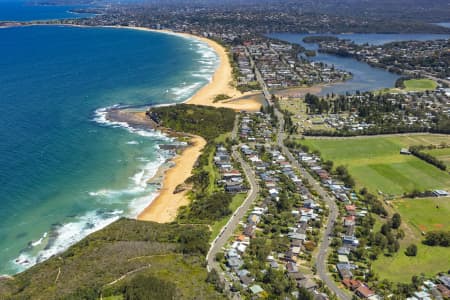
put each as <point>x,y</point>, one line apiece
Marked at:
<point>227,231</point>
<point>321,259</point>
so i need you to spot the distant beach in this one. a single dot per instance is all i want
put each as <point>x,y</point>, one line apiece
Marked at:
<point>220,83</point>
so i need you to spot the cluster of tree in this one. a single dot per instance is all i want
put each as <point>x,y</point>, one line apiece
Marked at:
<point>386,114</point>
<point>210,207</point>
<point>388,236</point>
<point>344,175</point>
<point>373,130</point>
<point>400,83</point>
<point>289,125</point>
<point>411,250</point>
<point>316,105</point>
<point>416,151</point>
<point>418,194</point>
<point>437,238</point>
<point>194,119</point>
<point>373,202</point>
<point>278,284</point>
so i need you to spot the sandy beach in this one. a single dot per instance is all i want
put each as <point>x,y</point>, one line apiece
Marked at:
<point>164,208</point>
<point>221,82</point>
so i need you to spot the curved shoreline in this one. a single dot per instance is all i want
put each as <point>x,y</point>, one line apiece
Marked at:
<point>164,207</point>
<point>221,81</point>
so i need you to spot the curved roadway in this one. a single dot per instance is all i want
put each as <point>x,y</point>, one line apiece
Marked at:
<point>321,258</point>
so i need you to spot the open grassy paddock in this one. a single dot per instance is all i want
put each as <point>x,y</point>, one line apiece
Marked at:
<point>418,215</point>
<point>416,85</point>
<point>441,154</point>
<point>425,214</point>
<point>376,162</point>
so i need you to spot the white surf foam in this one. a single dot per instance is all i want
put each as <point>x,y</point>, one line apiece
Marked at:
<point>38,242</point>
<point>185,91</point>
<point>65,236</point>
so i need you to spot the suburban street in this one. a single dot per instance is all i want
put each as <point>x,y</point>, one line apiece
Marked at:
<point>321,258</point>
<point>228,230</point>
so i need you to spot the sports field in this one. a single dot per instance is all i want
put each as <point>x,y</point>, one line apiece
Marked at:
<point>418,215</point>
<point>416,85</point>
<point>441,154</point>
<point>376,162</point>
<point>420,85</point>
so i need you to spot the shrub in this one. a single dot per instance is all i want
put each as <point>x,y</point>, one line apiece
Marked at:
<point>411,250</point>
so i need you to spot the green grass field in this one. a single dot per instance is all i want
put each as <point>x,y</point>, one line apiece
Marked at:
<point>425,214</point>
<point>420,85</point>
<point>417,85</point>
<point>441,154</point>
<point>376,162</point>
<point>418,215</point>
<point>400,268</point>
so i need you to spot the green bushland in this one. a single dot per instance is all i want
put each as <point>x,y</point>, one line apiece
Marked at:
<point>205,121</point>
<point>157,255</point>
<point>437,238</point>
<point>376,162</point>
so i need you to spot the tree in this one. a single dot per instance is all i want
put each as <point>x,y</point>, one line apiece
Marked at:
<point>396,221</point>
<point>214,279</point>
<point>304,294</point>
<point>437,238</point>
<point>411,250</point>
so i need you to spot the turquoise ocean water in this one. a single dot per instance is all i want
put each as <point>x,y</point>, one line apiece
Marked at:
<point>64,171</point>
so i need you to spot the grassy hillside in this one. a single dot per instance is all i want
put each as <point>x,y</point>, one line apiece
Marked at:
<point>376,162</point>
<point>118,261</point>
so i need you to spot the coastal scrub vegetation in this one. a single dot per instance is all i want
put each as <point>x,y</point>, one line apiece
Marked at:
<point>209,202</point>
<point>120,260</point>
<point>207,122</point>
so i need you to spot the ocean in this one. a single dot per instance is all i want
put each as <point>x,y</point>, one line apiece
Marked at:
<point>64,170</point>
<point>23,10</point>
